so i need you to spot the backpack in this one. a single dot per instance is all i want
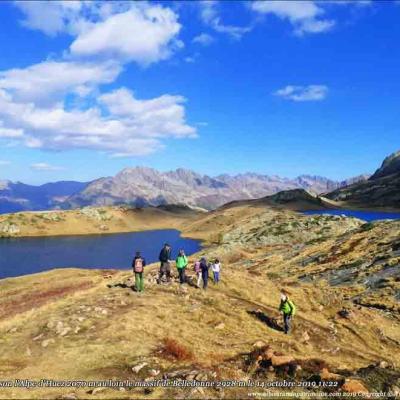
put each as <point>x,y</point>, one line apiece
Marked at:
<point>138,265</point>
<point>197,266</point>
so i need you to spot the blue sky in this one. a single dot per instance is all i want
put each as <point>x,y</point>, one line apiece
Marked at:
<point>274,87</point>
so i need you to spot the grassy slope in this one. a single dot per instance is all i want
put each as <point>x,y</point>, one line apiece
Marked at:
<point>70,325</point>
<point>93,221</point>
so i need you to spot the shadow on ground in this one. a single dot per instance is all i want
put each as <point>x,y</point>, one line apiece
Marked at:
<point>269,321</point>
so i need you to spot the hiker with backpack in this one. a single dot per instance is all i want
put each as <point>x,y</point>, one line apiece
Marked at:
<point>216,269</point>
<point>197,270</point>
<point>288,310</point>
<point>204,266</point>
<point>138,265</point>
<point>181,264</point>
<point>165,260</point>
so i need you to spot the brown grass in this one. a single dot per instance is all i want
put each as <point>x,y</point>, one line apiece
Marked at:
<point>235,257</point>
<point>37,299</point>
<point>337,255</point>
<point>171,349</point>
<point>314,365</point>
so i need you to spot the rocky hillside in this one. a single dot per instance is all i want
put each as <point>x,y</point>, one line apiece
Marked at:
<point>89,325</point>
<point>382,189</point>
<point>146,186</point>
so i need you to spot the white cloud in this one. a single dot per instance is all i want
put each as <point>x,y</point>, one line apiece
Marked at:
<point>118,123</point>
<point>59,105</point>
<point>51,80</point>
<point>210,15</point>
<point>303,93</point>
<point>4,163</point>
<point>65,16</point>
<point>306,16</point>
<point>126,31</point>
<point>9,133</point>
<point>144,34</point>
<point>51,17</point>
<point>42,166</point>
<point>190,59</point>
<point>204,39</point>
<point>158,117</point>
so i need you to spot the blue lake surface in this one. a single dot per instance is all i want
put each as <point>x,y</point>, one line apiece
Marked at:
<point>21,256</point>
<point>365,215</point>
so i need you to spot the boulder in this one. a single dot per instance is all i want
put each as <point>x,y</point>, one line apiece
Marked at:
<point>354,386</point>
<point>46,342</point>
<point>65,331</point>
<point>97,390</point>
<point>305,337</point>
<point>220,326</point>
<point>268,354</point>
<point>38,337</point>
<point>326,375</point>
<point>138,367</point>
<point>277,361</point>
<point>383,364</point>
<point>59,327</point>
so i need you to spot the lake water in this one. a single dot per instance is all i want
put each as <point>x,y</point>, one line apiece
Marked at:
<point>365,215</point>
<point>21,256</point>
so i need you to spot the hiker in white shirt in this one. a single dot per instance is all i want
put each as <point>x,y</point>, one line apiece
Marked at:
<point>216,269</point>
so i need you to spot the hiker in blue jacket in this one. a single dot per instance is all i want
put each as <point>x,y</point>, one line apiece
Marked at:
<point>204,271</point>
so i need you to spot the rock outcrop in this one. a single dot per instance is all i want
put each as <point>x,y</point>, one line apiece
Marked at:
<point>382,189</point>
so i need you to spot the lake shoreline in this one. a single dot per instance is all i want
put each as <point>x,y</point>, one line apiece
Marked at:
<point>364,215</point>
<point>26,256</point>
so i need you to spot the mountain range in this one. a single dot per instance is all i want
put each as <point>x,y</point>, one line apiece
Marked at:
<point>142,186</point>
<point>18,196</point>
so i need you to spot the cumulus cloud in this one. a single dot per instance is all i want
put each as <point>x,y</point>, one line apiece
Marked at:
<point>303,93</point>
<point>306,16</point>
<point>117,122</point>
<point>204,39</point>
<point>61,105</point>
<point>51,80</point>
<point>51,17</point>
<point>209,14</point>
<point>141,34</point>
<point>42,166</point>
<point>127,31</point>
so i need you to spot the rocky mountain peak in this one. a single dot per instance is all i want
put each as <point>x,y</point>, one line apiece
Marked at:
<point>390,165</point>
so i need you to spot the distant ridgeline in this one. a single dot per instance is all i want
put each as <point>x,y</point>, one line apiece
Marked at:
<point>142,187</point>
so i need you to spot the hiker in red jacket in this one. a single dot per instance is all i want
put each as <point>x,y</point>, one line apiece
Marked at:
<point>138,265</point>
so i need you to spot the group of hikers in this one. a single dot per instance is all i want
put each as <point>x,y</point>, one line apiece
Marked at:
<point>202,269</point>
